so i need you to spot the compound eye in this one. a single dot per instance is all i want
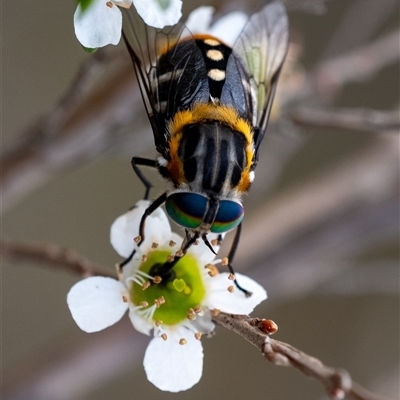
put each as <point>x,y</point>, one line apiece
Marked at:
<point>229,216</point>
<point>186,209</point>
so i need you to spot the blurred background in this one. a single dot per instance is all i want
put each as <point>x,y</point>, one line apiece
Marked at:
<point>321,231</point>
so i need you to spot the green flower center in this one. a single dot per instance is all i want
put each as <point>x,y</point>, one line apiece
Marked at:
<point>180,296</point>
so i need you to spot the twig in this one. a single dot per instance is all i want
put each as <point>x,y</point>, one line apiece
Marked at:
<point>52,255</point>
<point>338,382</point>
<point>357,119</point>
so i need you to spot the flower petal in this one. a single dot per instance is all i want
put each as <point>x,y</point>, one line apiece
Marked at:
<point>202,252</point>
<point>154,15</point>
<point>139,323</point>
<point>97,303</point>
<point>171,366</point>
<point>203,323</point>
<point>235,302</point>
<point>126,227</point>
<point>229,27</point>
<point>199,20</point>
<point>98,25</point>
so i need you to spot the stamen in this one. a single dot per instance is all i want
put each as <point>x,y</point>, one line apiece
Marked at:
<point>182,341</point>
<point>225,261</point>
<point>231,289</point>
<point>154,245</point>
<point>198,309</point>
<point>172,243</point>
<point>212,269</point>
<point>159,302</point>
<point>179,253</point>
<point>144,304</point>
<point>145,313</point>
<point>145,285</point>
<point>164,336</point>
<point>231,277</point>
<point>137,239</point>
<point>191,315</point>
<point>157,279</point>
<point>198,335</point>
<point>143,274</point>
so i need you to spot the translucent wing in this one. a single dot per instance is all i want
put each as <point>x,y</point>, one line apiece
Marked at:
<point>171,71</point>
<point>258,55</point>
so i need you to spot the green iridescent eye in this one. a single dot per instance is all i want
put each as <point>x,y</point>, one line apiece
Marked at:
<point>229,216</point>
<point>186,209</point>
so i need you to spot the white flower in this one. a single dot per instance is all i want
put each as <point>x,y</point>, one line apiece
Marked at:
<point>101,23</point>
<point>178,311</point>
<point>226,28</point>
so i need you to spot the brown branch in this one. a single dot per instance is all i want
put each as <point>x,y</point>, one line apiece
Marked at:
<point>354,119</point>
<point>53,256</point>
<point>338,382</point>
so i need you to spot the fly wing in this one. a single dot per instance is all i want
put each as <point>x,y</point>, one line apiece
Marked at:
<point>257,56</point>
<point>170,71</point>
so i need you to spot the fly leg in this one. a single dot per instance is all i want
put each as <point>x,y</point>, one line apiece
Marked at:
<point>136,163</point>
<point>143,162</point>
<point>231,256</point>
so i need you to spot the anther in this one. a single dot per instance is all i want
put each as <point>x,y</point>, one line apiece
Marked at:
<point>225,261</point>
<point>164,336</point>
<point>182,341</point>
<point>215,312</point>
<point>212,269</point>
<point>179,253</point>
<point>154,245</point>
<point>137,239</point>
<point>198,335</point>
<point>109,4</point>
<point>198,310</point>
<point>124,299</point>
<point>231,289</point>
<point>158,323</point>
<point>214,242</point>
<point>170,258</point>
<point>231,277</point>
<point>196,242</point>
<point>144,258</point>
<point>172,243</point>
<point>145,285</point>
<point>144,303</point>
<point>157,279</point>
<point>191,315</point>
<point>159,302</point>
